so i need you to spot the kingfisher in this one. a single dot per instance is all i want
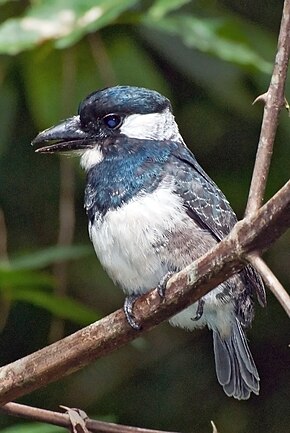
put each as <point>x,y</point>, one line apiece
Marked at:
<point>152,210</point>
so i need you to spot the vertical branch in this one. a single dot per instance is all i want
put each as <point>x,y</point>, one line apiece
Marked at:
<point>102,59</point>
<point>66,198</point>
<point>274,100</point>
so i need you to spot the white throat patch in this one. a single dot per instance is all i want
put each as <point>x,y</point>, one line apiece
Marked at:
<point>152,126</point>
<point>91,157</point>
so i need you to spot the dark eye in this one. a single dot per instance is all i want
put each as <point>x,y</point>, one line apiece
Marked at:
<point>112,121</point>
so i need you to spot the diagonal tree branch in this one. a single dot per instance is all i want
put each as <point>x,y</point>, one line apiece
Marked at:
<point>274,100</point>
<point>255,233</point>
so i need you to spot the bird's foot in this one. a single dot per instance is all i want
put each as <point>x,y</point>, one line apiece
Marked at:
<point>128,310</point>
<point>199,310</point>
<point>162,284</point>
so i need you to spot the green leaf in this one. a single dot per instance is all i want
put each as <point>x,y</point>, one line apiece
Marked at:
<point>221,37</point>
<point>162,7</point>
<point>19,283</point>
<point>46,257</point>
<point>222,80</point>
<point>64,21</point>
<point>64,307</point>
<point>33,428</point>
<point>24,278</point>
<point>98,15</point>
<point>50,99</point>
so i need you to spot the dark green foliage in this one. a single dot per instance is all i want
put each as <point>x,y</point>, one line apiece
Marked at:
<point>211,58</point>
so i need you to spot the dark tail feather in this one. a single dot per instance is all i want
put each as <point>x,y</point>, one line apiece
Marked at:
<point>235,367</point>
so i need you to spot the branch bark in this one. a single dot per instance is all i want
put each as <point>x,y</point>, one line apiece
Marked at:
<point>272,282</point>
<point>255,233</point>
<point>63,420</point>
<point>274,100</point>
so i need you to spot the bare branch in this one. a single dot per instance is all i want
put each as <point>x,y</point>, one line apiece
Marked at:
<point>272,282</point>
<point>274,100</point>
<point>63,419</point>
<point>254,233</point>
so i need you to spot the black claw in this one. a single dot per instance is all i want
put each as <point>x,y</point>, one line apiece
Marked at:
<point>128,310</point>
<point>162,285</point>
<point>199,310</point>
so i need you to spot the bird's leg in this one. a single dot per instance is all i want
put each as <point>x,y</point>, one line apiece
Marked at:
<point>163,282</point>
<point>131,299</point>
<point>199,310</point>
<point>128,310</point>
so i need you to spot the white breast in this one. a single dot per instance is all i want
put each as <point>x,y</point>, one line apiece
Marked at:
<point>136,245</point>
<point>124,240</point>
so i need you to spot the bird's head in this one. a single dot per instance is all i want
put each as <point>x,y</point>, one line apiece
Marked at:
<point>104,116</point>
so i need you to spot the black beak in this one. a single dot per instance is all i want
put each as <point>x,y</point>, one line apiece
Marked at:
<point>67,136</point>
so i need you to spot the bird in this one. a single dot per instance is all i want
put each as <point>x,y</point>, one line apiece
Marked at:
<point>152,210</point>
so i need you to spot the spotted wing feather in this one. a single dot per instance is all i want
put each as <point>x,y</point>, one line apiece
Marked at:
<point>208,206</point>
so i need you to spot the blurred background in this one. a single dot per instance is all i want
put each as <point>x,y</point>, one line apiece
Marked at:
<point>212,58</point>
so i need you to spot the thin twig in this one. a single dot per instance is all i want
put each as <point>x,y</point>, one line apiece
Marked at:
<point>63,420</point>
<point>254,233</point>
<point>275,100</point>
<point>214,429</point>
<point>272,282</point>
